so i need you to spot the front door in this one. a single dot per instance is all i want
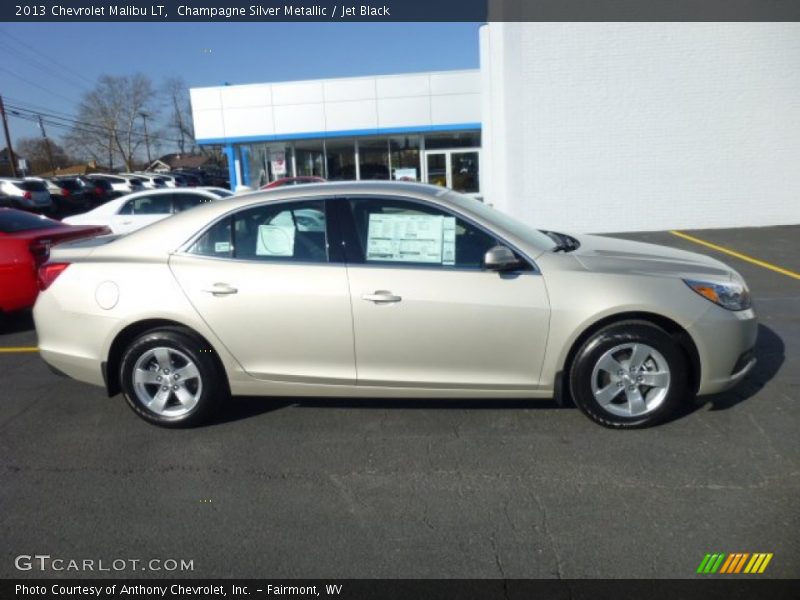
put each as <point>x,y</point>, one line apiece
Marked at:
<point>263,281</point>
<point>425,312</point>
<point>455,169</point>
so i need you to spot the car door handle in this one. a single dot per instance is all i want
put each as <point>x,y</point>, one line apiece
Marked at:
<point>381,297</point>
<point>221,289</point>
<point>127,222</point>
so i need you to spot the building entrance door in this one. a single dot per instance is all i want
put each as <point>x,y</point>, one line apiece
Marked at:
<point>455,169</point>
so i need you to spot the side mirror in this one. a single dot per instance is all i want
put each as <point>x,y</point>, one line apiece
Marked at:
<point>500,258</point>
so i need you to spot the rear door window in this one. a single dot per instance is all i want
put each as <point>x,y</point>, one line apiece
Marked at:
<point>32,186</point>
<point>286,232</point>
<point>148,205</point>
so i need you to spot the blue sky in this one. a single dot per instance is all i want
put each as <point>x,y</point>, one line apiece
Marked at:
<point>214,53</point>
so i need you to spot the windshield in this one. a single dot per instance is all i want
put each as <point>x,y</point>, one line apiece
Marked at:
<point>32,186</point>
<point>69,184</point>
<point>513,226</point>
<point>14,221</point>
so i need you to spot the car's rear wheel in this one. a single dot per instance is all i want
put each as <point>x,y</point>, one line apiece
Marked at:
<point>168,378</point>
<point>629,374</point>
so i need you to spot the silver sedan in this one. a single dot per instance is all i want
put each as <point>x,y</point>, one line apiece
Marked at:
<point>389,290</point>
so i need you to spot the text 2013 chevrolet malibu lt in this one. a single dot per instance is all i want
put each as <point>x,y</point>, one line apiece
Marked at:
<point>389,290</point>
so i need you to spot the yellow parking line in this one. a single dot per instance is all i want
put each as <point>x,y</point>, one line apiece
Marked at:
<point>738,255</point>
<point>18,349</point>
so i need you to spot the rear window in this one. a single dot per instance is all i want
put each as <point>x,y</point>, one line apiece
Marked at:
<point>101,183</point>
<point>70,184</point>
<point>32,186</point>
<point>13,221</point>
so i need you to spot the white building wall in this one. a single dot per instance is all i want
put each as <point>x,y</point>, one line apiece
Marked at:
<point>362,105</point>
<point>606,127</point>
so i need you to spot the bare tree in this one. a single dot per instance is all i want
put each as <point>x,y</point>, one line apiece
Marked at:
<point>38,155</point>
<point>180,121</point>
<point>109,119</point>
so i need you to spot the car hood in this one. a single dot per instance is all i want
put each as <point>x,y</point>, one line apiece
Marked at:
<point>614,255</point>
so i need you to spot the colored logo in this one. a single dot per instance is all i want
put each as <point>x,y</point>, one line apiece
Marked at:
<point>737,562</point>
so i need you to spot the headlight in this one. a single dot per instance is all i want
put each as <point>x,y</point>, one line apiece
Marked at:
<point>733,295</point>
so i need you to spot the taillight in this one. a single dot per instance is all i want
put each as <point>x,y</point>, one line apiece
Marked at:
<point>48,273</point>
<point>64,192</point>
<point>98,191</point>
<point>40,249</point>
<point>27,195</point>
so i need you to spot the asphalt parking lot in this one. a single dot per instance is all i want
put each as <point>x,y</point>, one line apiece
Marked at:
<point>329,488</point>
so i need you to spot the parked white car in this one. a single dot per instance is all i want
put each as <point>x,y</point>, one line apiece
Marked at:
<point>134,211</point>
<point>170,180</point>
<point>121,183</point>
<point>149,181</point>
<point>26,194</point>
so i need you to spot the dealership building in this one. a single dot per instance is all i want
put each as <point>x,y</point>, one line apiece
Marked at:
<point>585,127</point>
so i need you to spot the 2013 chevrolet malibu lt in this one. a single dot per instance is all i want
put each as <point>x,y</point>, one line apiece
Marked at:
<point>389,290</point>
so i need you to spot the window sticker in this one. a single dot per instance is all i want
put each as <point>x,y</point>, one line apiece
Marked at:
<point>222,247</point>
<point>428,239</point>
<point>275,240</point>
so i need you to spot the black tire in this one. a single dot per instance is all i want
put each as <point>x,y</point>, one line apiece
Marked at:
<point>181,344</point>
<point>618,336</point>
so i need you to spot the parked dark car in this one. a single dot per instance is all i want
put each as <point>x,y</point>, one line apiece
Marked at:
<point>69,195</point>
<point>103,189</point>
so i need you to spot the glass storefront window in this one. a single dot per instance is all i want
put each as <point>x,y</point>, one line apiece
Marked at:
<point>254,164</point>
<point>449,159</point>
<point>465,172</point>
<point>453,139</point>
<point>404,155</point>
<point>309,157</point>
<point>341,159</point>
<point>373,158</point>
<point>279,161</point>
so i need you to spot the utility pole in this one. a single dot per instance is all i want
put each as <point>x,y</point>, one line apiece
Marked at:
<point>47,146</point>
<point>144,116</point>
<point>11,158</point>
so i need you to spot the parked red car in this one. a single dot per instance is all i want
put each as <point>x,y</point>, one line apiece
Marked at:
<point>293,181</point>
<point>25,241</point>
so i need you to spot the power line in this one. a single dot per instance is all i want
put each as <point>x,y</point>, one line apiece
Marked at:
<point>42,54</point>
<point>41,87</point>
<point>48,71</point>
<point>78,125</point>
<point>39,107</point>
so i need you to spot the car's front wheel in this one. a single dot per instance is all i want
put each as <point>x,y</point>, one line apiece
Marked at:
<point>168,378</point>
<point>629,374</point>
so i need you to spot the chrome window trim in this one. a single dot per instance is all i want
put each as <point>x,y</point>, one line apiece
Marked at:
<point>183,249</point>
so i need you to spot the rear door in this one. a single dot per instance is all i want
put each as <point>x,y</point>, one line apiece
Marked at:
<point>274,291</point>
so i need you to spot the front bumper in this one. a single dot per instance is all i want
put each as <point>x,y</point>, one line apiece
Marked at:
<point>725,343</point>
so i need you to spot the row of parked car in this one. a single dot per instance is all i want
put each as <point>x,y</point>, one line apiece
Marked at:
<point>70,194</point>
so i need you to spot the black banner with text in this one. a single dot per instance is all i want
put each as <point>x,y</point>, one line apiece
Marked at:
<point>402,589</point>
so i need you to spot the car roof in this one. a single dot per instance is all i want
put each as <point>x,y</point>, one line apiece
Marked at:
<point>166,236</point>
<point>111,207</point>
